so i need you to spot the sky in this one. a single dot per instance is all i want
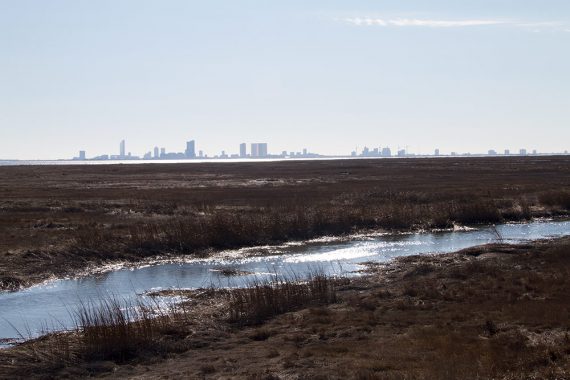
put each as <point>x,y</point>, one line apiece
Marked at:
<point>331,76</point>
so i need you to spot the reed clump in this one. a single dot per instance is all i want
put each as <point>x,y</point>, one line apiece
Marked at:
<point>262,300</point>
<point>113,330</point>
<point>116,330</point>
<point>108,330</point>
<point>560,198</point>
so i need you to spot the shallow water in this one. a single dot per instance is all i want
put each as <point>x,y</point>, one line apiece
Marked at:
<point>50,306</point>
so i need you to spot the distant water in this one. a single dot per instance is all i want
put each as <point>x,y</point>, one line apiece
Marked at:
<point>52,304</point>
<point>229,160</point>
<point>140,162</point>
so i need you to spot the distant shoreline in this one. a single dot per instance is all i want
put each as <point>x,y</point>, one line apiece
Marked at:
<point>64,162</point>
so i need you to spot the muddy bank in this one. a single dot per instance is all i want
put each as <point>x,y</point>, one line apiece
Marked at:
<point>56,220</point>
<point>495,311</point>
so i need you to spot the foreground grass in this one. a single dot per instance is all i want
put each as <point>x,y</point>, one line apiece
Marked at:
<point>490,312</point>
<point>115,331</point>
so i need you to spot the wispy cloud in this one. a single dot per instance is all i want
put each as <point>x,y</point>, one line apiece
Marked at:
<point>402,22</point>
<point>434,23</point>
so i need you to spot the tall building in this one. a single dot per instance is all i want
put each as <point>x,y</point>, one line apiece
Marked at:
<point>254,150</point>
<point>436,152</point>
<point>243,150</point>
<point>263,150</point>
<point>386,152</point>
<point>162,152</point>
<point>259,150</point>
<point>507,152</point>
<point>522,152</point>
<point>156,154</point>
<point>190,149</point>
<point>82,155</point>
<point>122,149</point>
<point>492,152</point>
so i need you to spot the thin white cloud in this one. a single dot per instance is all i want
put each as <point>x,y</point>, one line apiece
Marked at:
<point>547,24</point>
<point>403,22</point>
<point>431,23</point>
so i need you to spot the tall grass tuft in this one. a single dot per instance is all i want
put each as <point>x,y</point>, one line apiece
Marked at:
<point>262,300</point>
<point>116,330</point>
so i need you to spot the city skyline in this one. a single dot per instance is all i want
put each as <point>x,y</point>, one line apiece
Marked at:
<point>330,75</point>
<point>260,150</point>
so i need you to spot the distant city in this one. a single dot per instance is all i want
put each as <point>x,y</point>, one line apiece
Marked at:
<point>260,151</point>
<point>256,150</point>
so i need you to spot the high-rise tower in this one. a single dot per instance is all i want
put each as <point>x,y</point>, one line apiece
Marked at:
<point>190,149</point>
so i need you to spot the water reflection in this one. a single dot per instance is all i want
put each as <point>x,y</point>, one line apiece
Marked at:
<point>54,302</point>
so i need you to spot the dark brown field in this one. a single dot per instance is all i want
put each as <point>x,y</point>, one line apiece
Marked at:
<point>490,312</point>
<point>55,220</point>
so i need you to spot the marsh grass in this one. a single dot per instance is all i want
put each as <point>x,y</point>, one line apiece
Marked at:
<point>560,198</point>
<point>223,229</point>
<point>261,300</point>
<point>109,329</point>
<point>116,329</point>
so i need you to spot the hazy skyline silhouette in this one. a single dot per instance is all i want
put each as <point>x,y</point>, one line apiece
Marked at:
<point>328,76</point>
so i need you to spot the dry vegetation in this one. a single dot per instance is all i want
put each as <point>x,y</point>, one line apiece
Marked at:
<point>55,220</point>
<point>497,311</point>
<point>116,332</point>
<point>263,300</point>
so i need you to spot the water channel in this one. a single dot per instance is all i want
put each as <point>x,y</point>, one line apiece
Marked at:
<point>51,305</point>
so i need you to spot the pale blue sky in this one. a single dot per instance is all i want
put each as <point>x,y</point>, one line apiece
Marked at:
<point>326,75</point>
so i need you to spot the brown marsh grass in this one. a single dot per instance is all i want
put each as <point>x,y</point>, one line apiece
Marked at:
<point>491,312</point>
<point>58,219</point>
<point>261,300</point>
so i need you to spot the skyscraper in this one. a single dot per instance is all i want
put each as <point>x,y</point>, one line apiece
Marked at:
<point>254,150</point>
<point>190,149</point>
<point>82,155</point>
<point>156,154</point>
<point>242,150</point>
<point>262,149</point>
<point>122,149</point>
